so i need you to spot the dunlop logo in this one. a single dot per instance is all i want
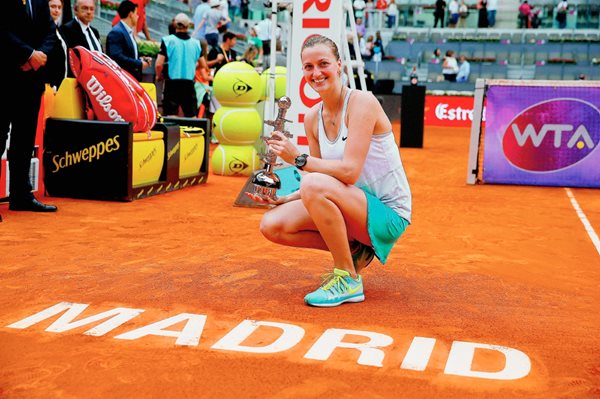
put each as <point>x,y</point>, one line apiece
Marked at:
<point>240,87</point>
<point>88,154</point>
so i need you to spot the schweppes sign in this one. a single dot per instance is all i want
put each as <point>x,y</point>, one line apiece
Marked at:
<point>88,154</point>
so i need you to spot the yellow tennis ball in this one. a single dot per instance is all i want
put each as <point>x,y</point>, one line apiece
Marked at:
<point>237,83</point>
<point>280,82</point>
<point>237,125</point>
<point>234,160</point>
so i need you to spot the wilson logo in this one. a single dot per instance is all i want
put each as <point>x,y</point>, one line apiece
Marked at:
<point>99,95</point>
<point>552,135</point>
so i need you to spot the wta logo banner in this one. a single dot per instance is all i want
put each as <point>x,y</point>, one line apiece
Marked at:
<point>552,135</point>
<point>543,136</point>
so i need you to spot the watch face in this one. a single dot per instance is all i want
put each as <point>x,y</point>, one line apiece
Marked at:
<point>300,160</point>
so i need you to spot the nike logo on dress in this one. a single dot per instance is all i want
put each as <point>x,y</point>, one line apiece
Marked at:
<point>344,138</point>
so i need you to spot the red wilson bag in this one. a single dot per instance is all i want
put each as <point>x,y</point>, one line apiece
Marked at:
<point>113,94</point>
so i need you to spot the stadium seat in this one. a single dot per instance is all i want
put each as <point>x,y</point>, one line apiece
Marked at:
<point>581,58</point>
<point>529,38</point>
<point>395,74</point>
<point>555,75</point>
<point>493,36</point>
<point>541,57</point>
<point>528,58</point>
<point>382,75</point>
<point>513,72</point>
<point>541,74</point>
<point>437,37</point>
<point>490,55</point>
<point>486,74</point>
<point>502,56</point>
<point>555,37</point>
<point>506,36</point>
<point>554,55</point>
<point>514,58</point>
<point>528,72</point>
<point>516,37</point>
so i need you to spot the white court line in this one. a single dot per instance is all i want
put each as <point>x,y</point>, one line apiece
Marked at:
<point>584,220</point>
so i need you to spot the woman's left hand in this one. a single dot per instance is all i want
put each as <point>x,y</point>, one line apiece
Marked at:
<point>283,147</point>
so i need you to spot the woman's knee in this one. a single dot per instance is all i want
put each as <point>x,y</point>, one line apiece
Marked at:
<point>270,227</point>
<point>315,186</point>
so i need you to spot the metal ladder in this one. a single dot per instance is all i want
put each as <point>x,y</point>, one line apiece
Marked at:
<point>357,64</point>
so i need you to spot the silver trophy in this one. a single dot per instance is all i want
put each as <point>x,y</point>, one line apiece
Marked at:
<point>265,181</point>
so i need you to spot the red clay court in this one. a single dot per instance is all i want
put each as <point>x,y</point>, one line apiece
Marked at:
<point>493,292</point>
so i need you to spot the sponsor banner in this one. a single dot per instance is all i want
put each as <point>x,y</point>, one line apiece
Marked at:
<point>309,17</point>
<point>449,111</point>
<point>542,136</point>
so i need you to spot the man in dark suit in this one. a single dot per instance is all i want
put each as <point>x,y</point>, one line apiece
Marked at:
<point>78,31</point>
<point>27,35</point>
<point>120,42</point>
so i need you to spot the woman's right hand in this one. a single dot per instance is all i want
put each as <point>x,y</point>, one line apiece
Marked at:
<point>266,200</point>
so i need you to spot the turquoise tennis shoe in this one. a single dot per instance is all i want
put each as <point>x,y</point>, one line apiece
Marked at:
<point>337,287</point>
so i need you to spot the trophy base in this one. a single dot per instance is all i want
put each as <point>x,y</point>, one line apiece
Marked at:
<point>265,192</point>
<point>290,182</point>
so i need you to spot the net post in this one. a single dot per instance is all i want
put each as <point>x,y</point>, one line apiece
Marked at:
<point>475,131</point>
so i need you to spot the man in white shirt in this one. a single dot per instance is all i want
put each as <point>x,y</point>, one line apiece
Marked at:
<point>464,70</point>
<point>264,34</point>
<point>199,14</point>
<point>492,6</point>
<point>453,9</point>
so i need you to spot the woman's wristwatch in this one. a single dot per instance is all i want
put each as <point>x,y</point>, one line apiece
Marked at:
<point>300,161</point>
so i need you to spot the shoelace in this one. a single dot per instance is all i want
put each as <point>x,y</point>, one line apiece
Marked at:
<point>333,280</point>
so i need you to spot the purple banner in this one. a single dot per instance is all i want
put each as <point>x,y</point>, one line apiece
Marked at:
<point>542,135</point>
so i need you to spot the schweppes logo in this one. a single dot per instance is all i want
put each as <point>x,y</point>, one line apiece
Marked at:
<point>240,87</point>
<point>88,154</point>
